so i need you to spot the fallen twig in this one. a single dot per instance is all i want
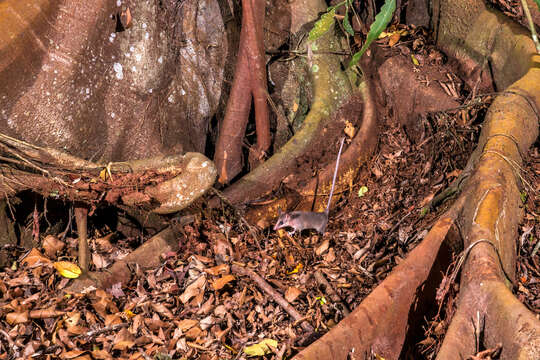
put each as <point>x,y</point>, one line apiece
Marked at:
<point>263,285</point>
<point>331,292</point>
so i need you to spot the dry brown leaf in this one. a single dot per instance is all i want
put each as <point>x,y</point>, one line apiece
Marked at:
<point>113,319</point>
<point>454,173</point>
<point>104,243</point>
<point>99,261</point>
<point>126,19</point>
<point>14,318</point>
<point>101,355</point>
<point>123,340</point>
<point>71,354</point>
<point>193,333</point>
<point>52,245</point>
<point>193,289</point>
<point>218,284</point>
<point>217,270</point>
<point>376,171</point>
<point>46,313</point>
<point>394,38</point>
<point>321,249</point>
<point>292,293</point>
<point>427,200</point>
<point>155,324</point>
<point>35,258</point>
<point>161,309</point>
<point>330,256</point>
<point>186,324</point>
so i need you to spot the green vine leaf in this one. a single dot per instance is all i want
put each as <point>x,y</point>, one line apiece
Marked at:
<point>537,3</point>
<point>347,25</point>
<point>323,24</point>
<point>381,22</point>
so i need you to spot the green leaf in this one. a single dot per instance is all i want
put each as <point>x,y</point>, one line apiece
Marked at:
<point>321,299</point>
<point>537,3</point>
<point>322,25</point>
<point>381,22</point>
<point>523,194</point>
<point>347,25</point>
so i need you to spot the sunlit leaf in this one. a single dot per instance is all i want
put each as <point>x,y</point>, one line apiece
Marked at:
<point>103,174</point>
<point>296,269</point>
<point>381,22</point>
<point>262,348</point>
<point>362,191</point>
<point>321,299</point>
<point>322,25</point>
<point>67,269</point>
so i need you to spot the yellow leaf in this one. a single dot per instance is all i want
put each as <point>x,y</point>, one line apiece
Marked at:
<point>230,349</point>
<point>362,191</point>
<point>129,314</point>
<point>261,348</point>
<point>67,269</point>
<point>296,269</point>
<point>414,60</point>
<point>103,174</point>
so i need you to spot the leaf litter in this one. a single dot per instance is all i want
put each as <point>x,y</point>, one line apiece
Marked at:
<point>196,306</point>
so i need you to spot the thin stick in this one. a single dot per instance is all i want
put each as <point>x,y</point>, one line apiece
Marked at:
<point>81,218</point>
<point>263,285</point>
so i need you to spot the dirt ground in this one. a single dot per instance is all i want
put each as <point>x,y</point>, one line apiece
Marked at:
<point>196,306</point>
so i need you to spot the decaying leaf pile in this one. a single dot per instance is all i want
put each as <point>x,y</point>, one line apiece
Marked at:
<point>195,305</point>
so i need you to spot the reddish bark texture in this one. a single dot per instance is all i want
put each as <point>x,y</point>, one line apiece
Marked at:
<point>249,80</point>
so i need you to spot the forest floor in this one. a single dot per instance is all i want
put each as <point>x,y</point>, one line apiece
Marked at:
<point>196,306</point>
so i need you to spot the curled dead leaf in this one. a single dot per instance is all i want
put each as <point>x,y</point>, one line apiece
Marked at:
<point>193,289</point>
<point>222,281</point>
<point>52,245</point>
<point>217,270</point>
<point>46,313</point>
<point>35,258</point>
<point>321,249</point>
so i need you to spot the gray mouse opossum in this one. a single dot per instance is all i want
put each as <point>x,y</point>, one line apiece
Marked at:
<point>300,220</point>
